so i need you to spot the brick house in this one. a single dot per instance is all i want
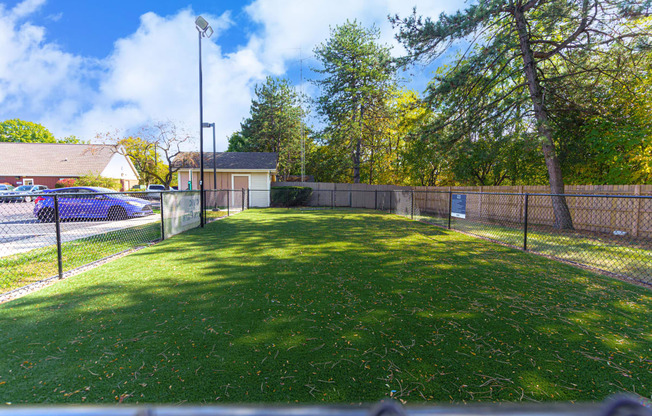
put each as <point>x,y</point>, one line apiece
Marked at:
<point>47,163</point>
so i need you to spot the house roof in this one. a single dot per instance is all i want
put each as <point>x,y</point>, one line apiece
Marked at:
<point>229,160</point>
<point>54,159</point>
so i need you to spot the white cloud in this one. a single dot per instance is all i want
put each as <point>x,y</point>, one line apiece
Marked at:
<point>291,24</point>
<point>26,8</point>
<point>54,17</point>
<point>34,74</point>
<point>153,73</point>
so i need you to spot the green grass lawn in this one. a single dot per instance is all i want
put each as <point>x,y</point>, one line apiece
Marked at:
<point>211,215</point>
<point>21,269</point>
<point>601,251</point>
<point>32,266</point>
<point>327,305</point>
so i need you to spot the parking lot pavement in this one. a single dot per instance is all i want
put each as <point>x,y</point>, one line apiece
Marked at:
<point>21,232</point>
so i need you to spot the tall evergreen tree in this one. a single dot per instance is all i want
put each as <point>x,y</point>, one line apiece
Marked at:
<point>359,78</point>
<point>274,125</point>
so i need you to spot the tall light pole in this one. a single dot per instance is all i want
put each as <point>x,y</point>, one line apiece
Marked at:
<point>207,125</point>
<point>205,31</point>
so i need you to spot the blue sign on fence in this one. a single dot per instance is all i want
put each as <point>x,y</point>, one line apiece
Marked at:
<point>458,206</point>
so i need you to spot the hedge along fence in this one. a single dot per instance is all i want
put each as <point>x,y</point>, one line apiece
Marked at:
<point>590,213</point>
<point>290,196</point>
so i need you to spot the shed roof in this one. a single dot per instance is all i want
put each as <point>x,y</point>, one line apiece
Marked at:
<point>54,159</point>
<point>229,160</point>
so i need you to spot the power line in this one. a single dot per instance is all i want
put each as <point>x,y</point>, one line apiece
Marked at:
<point>302,94</point>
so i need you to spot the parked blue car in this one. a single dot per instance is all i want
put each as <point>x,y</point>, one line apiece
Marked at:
<point>90,203</point>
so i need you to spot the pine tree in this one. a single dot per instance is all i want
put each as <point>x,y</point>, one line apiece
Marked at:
<point>357,84</point>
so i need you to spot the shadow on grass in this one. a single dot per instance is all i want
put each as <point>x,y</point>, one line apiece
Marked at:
<point>338,306</point>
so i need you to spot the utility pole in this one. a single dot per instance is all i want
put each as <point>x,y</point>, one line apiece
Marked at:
<point>303,139</point>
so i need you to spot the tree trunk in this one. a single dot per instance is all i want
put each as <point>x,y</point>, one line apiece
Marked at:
<point>562,214</point>
<point>371,167</point>
<point>356,162</point>
<point>358,149</point>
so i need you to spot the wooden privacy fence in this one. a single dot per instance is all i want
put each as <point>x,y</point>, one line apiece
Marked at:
<point>593,208</point>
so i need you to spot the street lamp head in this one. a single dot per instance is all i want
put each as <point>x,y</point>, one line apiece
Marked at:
<point>207,125</point>
<point>201,23</point>
<point>203,27</point>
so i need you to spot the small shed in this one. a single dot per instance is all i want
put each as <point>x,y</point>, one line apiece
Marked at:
<point>252,171</point>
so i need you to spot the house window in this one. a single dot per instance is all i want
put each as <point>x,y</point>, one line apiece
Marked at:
<point>28,181</point>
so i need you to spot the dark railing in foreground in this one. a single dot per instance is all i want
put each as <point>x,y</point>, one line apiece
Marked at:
<point>616,406</point>
<point>611,233</point>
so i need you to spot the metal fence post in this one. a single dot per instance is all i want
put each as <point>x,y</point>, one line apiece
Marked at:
<point>376,199</point>
<point>162,220</point>
<point>525,223</point>
<point>201,203</point>
<point>57,226</point>
<point>412,202</point>
<point>248,198</point>
<point>350,199</point>
<point>228,203</point>
<point>243,194</point>
<point>450,207</point>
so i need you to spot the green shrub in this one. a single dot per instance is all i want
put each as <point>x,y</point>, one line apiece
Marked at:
<point>97,180</point>
<point>290,196</point>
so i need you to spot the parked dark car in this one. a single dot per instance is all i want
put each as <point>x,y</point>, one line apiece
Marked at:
<point>24,193</point>
<point>90,203</point>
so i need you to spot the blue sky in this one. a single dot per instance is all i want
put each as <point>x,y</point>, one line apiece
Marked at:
<point>91,27</point>
<point>91,67</point>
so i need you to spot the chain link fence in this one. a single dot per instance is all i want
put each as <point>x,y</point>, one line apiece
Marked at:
<point>224,202</point>
<point>59,231</point>
<point>51,234</point>
<point>610,233</point>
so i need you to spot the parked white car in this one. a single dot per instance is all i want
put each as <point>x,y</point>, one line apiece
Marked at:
<point>24,193</point>
<point>153,191</point>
